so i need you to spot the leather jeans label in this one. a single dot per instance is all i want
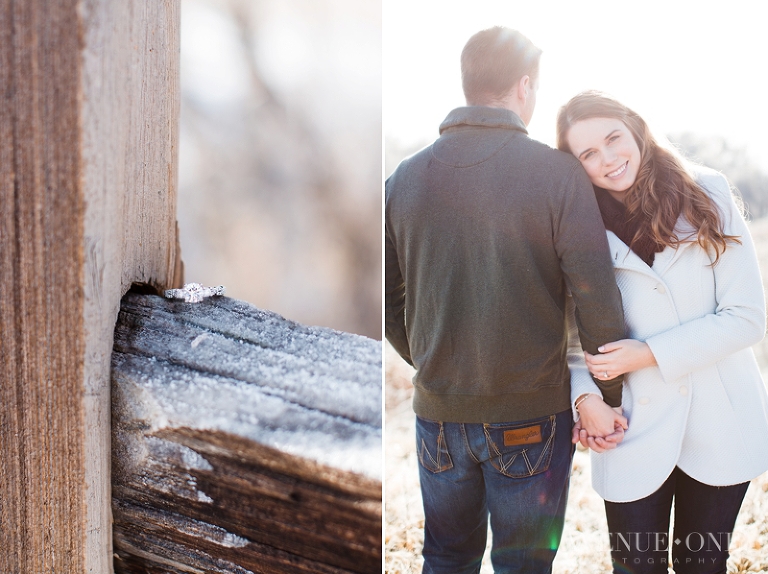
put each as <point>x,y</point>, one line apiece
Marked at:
<point>527,435</point>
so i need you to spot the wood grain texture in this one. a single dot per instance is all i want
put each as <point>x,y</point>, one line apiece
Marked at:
<point>41,334</point>
<point>243,442</point>
<point>88,129</point>
<point>129,118</point>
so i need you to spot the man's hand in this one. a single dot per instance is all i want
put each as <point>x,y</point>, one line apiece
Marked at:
<point>618,358</point>
<point>598,444</point>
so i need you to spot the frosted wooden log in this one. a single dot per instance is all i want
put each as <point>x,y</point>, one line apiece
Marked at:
<point>243,442</point>
<point>88,131</point>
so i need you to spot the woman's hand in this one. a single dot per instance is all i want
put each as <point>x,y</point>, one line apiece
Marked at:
<point>597,419</point>
<point>618,358</point>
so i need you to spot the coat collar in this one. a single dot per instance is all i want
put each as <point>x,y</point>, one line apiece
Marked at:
<point>484,117</point>
<point>624,258</point>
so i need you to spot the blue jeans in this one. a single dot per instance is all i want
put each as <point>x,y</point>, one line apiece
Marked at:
<point>516,473</point>
<point>704,520</point>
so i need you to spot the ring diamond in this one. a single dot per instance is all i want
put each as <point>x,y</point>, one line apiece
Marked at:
<point>194,292</point>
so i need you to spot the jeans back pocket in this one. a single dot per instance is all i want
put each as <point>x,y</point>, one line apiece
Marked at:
<point>432,447</point>
<point>520,450</point>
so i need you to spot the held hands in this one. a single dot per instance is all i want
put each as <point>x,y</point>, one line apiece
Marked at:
<point>618,358</point>
<point>599,427</point>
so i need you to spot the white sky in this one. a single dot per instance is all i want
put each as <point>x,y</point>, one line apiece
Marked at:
<point>684,65</point>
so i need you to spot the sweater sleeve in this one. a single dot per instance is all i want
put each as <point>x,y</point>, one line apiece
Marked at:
<point>394,299</point>
<point>582,246</point>
<point>581,380</point>
<point>738,320</point>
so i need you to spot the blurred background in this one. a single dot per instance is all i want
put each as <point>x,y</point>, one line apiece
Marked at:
<point>280,156</point>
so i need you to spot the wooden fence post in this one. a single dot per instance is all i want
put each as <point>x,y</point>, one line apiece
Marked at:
<point>89,104</point>
<point>243,442</point>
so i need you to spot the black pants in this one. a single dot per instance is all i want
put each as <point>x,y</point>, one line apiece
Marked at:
<point>704,519</point>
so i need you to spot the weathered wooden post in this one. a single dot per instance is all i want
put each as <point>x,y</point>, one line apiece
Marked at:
<point>88,130</point>
<point>243,442</point>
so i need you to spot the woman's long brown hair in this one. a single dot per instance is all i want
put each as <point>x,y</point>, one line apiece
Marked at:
<point>663,189</point>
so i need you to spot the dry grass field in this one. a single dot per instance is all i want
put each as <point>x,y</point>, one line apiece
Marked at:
<point>584,548</point>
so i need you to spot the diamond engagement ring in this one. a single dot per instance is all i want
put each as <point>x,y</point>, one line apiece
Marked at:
<point>605,374</point>
<point>194,292</point>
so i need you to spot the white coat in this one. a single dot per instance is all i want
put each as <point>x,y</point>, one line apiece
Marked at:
<point>704,408</point>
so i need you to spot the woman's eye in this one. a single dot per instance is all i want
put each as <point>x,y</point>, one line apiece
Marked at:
<point>613,139</point>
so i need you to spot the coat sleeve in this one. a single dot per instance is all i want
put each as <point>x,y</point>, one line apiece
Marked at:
<point>582,246</point>
<point>738,321</point>
<point>394,299</point>
<point>581,380</point>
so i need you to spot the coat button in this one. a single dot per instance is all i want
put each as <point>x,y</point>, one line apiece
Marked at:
<point>660,288</point>
<point>643,401</point>
<point>683,391</point>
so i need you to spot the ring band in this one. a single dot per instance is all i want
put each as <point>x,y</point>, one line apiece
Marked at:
<point>605,374</point>
<point>194,292</point>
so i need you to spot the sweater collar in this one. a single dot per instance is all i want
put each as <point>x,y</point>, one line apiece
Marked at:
<point>482,116</point>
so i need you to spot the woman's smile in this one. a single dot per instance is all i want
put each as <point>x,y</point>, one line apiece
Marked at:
<point>619,171</point>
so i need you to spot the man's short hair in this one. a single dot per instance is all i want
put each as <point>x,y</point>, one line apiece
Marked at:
<point>493,61</point>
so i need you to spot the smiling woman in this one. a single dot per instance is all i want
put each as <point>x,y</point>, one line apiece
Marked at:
<point>693,304</point>
<point>656,187</point>
<point>608,152</point>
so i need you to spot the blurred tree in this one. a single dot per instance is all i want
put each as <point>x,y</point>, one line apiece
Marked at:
<point>734,162</point>
<point>280,178</point>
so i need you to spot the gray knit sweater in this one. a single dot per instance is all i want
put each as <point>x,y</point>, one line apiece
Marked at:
<point>485,230</point>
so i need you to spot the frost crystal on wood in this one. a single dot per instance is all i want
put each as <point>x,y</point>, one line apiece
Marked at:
<point>243,442</point>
